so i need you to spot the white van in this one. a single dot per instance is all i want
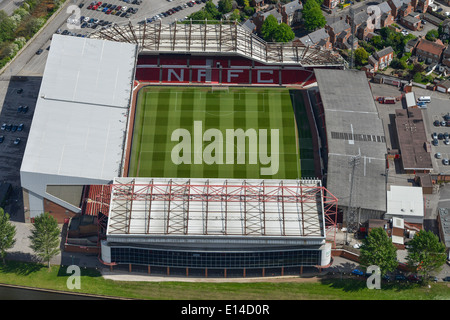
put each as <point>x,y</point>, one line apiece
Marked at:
<point>424,99</point>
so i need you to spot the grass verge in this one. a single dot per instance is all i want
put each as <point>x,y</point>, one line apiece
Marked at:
<point>325,288</point>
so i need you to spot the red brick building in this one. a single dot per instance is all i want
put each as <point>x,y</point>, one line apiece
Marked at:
<point>429,51</point>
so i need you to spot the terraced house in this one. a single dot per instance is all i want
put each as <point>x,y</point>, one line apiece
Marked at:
<point>429,51</point>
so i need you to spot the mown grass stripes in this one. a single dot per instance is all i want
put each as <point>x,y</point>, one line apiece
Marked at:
<point>161,110</point>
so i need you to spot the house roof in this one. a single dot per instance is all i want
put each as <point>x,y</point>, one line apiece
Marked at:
<point>430,47</point>
<point>372,60</point>
<point>249,25</point>
<point>292,7</point>
<point>384,7</point>
<point>411,19</point>
<point>444,83</point>
<point>318,35</point>
<point>384,52</point>
<point>339,26</point>
<point>361,17</point>
<point>447,50</point>
<point>399,3</point>
<point>273,12</point>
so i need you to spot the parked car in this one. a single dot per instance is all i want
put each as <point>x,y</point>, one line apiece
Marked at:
<point>39,51</point>
<point>438,155</point>
<point>14,128</point>
<point>434,135</point>
<point>3,127</point>
<point>400,277</point>
<point>20,127</point>
<point>413,278</point>
<point>446,278</point>
<point>435,142</point>
<point>437,123</point>
<point>440,136</point>
<point>2,138</point>
<point>357,272</point>
<point>17,141</point>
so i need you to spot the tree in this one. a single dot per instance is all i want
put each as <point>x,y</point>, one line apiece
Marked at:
<point>378,249</point>
<point>377,42</point>
<point>312,16</point>
<point>432,35</point>
<point>426,254</point>
<point>45,237</point>
<point>210,7</point>
<point>283,33</point>
<point>361,56</point>
<point>398,64</point>
<point>7,234</point>
<point>249,11</point>
<point>7,27</point>
<point>269,28</point>
<point>225,6</point>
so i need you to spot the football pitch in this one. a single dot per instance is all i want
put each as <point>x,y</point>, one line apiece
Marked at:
<point>232,132</point>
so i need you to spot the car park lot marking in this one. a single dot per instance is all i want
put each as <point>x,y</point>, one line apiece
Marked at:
<point>147,10</point>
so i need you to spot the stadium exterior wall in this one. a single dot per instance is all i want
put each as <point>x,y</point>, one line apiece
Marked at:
<point>251,258</point>
<point>223,69</point>
<point>34,186</point>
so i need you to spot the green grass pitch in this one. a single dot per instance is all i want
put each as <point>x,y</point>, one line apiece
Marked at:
<point>161,109</point>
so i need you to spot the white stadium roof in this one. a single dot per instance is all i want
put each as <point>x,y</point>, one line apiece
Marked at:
<point>145,208</point>
<point>79,125</point>
<point>222,37</point>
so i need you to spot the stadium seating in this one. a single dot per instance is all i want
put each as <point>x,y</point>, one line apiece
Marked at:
<point>96,199</point>
<point>217,70</point>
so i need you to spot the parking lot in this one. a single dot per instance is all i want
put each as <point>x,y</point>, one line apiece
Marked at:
<point>19,92</point>
<point>436,110</point>
<point>91,16</point>
<point>72,12</point>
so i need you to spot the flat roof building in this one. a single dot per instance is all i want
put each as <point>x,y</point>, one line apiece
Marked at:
<point>80,122</point>
<point>352,132</point>
<point>412,138</point>
<point>444,227</point>
<point>406,203</point>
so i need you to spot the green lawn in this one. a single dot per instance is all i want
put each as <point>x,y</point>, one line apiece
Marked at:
<point>162,110</point>
<point>35,275</point>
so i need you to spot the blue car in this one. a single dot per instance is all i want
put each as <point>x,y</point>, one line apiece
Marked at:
<point>357,272</point>
<point>400,277</point>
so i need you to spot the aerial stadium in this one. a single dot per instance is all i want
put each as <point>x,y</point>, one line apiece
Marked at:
<point>195,154</point>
